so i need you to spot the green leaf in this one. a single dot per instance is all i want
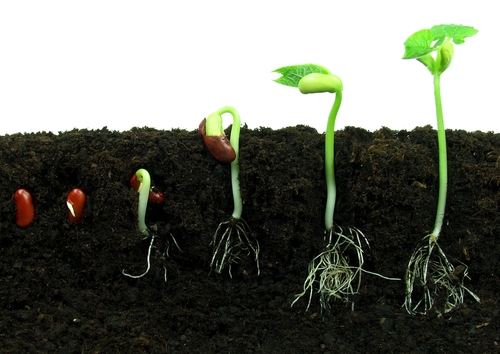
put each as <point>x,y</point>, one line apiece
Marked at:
<point>418,44</point>
<point>457,32</point>
<point>426,41</point>
<point>291,75</point>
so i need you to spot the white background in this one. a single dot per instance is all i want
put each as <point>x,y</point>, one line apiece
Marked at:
<point>168,64</point>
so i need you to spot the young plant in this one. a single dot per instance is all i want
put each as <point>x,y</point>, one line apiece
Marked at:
<point>155,197</point>
<point>429,269</point>
<point>25,212</point>
<point>233,236</point>
<point>340,265</point>
<point>141,182</point>
<point>144,179</point>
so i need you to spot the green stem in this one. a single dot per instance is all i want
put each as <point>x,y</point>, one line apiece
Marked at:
<point>235,166</point>
<point>145,179</point>
<point>331,188</point>
<point>443,164</point>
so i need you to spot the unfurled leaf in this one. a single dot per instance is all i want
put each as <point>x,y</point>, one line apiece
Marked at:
<point>426,41</point>
<point>456,32</point>
<point>291,75</point>
<point>419,44</point>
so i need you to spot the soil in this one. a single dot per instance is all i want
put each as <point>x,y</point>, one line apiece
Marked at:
<point>61,284</point>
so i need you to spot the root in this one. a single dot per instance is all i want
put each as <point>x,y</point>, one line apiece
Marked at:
<point>149,257</point>
<point>440,285</point>
<point>147,260</point>
<point>230,239</point>
<point>339,277</point>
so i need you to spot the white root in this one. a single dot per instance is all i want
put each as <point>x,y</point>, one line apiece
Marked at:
<point>230,239</point>
<point>440,284</point>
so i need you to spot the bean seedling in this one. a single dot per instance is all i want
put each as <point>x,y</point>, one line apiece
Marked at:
<point>340,265</point>
<point>155,197</point>
<point>430,271</point>
<point>141,182</point>
<point>144,179</point>
<point>233,236</point>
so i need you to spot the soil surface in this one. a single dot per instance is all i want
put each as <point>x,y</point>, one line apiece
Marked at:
<point>61,284</point>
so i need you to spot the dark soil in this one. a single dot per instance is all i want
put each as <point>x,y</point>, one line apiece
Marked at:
<point>62,288</point>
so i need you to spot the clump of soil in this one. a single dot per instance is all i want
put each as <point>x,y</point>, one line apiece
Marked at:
<point>61,285</point>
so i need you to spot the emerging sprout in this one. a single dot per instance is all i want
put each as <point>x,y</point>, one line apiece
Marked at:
<point>234,236</point>
<point>141,182</point>
<point>432,271</point>
<point>155,196</point>
<point>76,201</point>
<point>215,139</point>
<point>143,177</point>
<point>340,265</point>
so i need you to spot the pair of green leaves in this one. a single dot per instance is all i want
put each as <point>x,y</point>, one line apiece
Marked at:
<point>309,78</point>
<point>291,75</point>
<point>426,41</point>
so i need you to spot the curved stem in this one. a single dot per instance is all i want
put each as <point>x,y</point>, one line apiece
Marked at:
<point>443,165</point>
<point>145,179</point>
<point>331,188</point>
<point>235,166</point>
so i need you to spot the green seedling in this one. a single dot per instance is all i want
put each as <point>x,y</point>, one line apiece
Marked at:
<point>231,237</point>
<point>340,265</point>
<point>143,179</point>
<point>429,269</point>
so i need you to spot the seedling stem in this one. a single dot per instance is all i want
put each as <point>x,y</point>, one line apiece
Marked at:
<point>233,236</point>
<point>433,272</point>
<point>340,265</point>
<point>235,165</point>
<point>443,165</point>
<point>331,188</point>
<point>145,179</point>
<point>144,189</point>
